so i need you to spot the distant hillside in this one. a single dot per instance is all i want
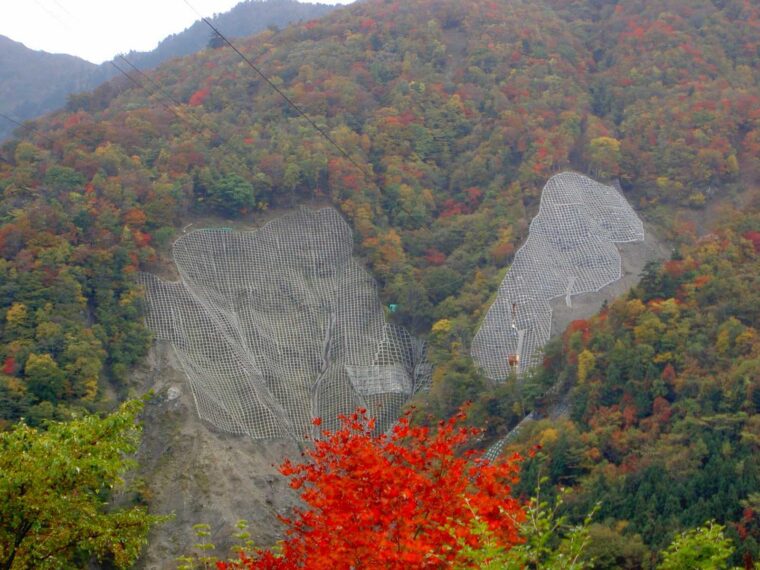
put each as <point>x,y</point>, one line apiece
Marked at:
<point>244,19</point>
<point>456,112</point>
<point>33,83</point>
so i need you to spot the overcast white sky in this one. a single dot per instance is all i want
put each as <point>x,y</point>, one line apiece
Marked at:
<point>97,30</point>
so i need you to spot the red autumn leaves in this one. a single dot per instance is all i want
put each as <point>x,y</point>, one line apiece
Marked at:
<point>403,500</point>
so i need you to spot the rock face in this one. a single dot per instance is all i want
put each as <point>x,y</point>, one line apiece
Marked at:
<point>277,326</point>
<point>202,475</point>
<point>571,250</point>
<point>280,320</point>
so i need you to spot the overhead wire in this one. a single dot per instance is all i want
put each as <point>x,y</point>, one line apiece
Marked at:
<point>199,127</point>
<point>162,103</point>
<point>14,121</point>
<point>280,92</point>
<point>30,124</point>
<point>321,131</point>
<point>132,80</point>
<point>166,93</point>
<point>151,80</point>
<point>53,15</point>
<point>62,8</point>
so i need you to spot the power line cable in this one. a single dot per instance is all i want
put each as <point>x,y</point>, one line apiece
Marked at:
<point>15,122</point>
<point>162,103</point>
<point>7,118</point>
<point>127,75</point>
<point>169,96</point>
<point>173,99</point>
<point>62,8</point>
<point>250,64</point>
<point>52,14</point>
<point>279,91</point>
<point>151,80</point>
<point>33,124</point>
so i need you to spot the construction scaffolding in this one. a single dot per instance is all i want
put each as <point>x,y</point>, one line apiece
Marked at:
<point>570,250</point>
<point>278,326</point>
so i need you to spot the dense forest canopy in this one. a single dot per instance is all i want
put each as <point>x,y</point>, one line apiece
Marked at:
<point>664,428</point>
<point>36,82</point>
<point>457,112</point>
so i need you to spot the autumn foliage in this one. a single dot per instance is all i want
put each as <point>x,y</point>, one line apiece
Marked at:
<point>666,381</point>
<point>454,139</point>
<point>408,499</point>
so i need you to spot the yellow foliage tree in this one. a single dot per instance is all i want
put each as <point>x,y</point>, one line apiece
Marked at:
<point>17,314</point>
<point>604,156</point>
<point>586,363</point>
<point>442,326</point>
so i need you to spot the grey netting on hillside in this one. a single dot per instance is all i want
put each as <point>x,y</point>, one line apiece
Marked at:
<point>277,326</point>
<point>570,250</point>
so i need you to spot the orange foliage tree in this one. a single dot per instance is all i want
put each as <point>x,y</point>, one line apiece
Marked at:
<point>408,499</point>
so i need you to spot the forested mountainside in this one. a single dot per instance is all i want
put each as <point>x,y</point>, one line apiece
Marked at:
<point>245,19</point>
<point>35,82</point>
<point>456,113</point>
<point>664,426</point>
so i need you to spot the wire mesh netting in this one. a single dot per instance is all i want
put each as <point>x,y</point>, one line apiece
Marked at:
<point>570,250</point>
<point>277,326</point>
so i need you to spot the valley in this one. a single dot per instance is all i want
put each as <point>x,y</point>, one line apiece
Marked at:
<point>439,124</point>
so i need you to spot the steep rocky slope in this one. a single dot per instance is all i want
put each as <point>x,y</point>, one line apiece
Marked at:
<point>456,114</point>
<point>202,475</point>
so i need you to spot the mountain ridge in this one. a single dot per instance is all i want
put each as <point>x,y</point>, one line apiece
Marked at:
<point>458,113</point>
<point>43,81</point>
<point>51,75</point>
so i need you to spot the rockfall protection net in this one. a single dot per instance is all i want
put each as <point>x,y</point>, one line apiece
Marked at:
<point>570,250</point>
<point>277,326</point>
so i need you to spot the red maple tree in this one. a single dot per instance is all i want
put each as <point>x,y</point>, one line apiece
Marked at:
<point>403,500</point>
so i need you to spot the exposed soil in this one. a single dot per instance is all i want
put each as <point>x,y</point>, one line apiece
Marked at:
<point>202,475</point>
<point>634,257</point>
<point>205,476</point>
<point>193,470</point>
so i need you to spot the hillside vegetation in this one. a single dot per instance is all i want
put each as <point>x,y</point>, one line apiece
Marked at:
<point>663,428</point>
<point>457,112</point>
<point>33,83</point>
